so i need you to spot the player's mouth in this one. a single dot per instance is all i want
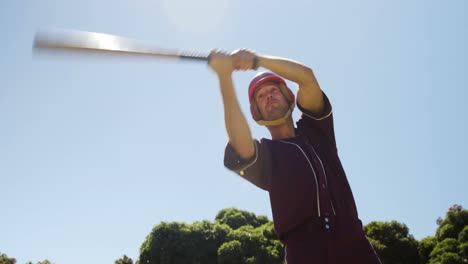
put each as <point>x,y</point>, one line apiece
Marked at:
<point>271,102</point>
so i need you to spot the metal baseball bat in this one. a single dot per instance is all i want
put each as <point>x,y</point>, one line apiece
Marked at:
<point>64,40</point>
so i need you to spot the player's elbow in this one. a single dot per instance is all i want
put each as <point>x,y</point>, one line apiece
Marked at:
<point>307,77</point>
<point>246,153</point>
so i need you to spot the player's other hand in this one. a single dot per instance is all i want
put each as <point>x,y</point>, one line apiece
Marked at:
<point>221,62</point>
<point>244,59</point>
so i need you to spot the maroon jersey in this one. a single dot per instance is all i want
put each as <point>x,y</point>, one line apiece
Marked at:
<point>313,207</point>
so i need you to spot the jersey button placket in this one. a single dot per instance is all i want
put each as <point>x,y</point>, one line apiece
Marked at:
<point>327,225</point>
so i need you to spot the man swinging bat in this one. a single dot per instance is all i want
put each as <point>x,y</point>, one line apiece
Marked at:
<point>313,208</point>
<point>314,212</point>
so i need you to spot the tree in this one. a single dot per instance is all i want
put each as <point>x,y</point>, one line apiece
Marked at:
<point>463,243</point>
<point>392,242</point>
<point>451,238</point>
<point>255,247</point>
<point>446,252</point>
<point>206,238</point>
<point>124,260</point>
<point>251,242</point>
<point>4,259</point>
<point>235,236</point>
<point>182,243</point>
<point>274,248</point>
<point>455,220</point>
<point>236,218</point>
<point>426,245</point>
<point>230,253</point>
<point>163,244</point>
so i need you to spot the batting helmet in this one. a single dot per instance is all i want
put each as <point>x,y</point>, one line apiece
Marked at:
<point>262,78</point>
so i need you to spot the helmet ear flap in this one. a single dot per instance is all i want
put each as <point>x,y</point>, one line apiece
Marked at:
<point>287,93</point>
<point>254,111</point>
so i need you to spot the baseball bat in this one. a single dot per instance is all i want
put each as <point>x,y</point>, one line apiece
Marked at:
<point>65,40</point>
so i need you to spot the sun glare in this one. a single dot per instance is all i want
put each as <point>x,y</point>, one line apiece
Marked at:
<point>196,16</point>
<point>105,41</point>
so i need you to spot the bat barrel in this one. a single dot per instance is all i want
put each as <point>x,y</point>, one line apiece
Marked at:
<point>97,43</point>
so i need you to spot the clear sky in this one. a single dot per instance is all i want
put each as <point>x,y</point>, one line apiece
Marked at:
<point>94,152</point>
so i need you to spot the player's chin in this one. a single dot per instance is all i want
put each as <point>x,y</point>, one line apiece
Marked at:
<point>274,115</point>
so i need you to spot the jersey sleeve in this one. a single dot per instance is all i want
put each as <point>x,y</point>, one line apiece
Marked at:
<point>321,123</point>
<point>255,170</point>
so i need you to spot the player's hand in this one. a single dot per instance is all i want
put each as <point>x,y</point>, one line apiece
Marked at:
<point>244,59</point>
<point>221,62</point>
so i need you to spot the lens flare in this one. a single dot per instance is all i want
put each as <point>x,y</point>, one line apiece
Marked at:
<point>196,16</point>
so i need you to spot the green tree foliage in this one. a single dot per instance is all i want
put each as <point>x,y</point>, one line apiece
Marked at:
<point>236,218</point>
<point>392,242</point>
<point>230,253</point>
<point>257,245</point>
<point>268,230</point>
<point>455,220</point>
<point>452,238</point>
<point>45,262</point>
<point>252,239</point>
<point>463,243</point>
<point>446,252</point>
<point>124,260</point>
<point>426,245</point>
<point>4,259</point>
<point>236,236</point>
<point>182,243</point>
<point>205,239</point>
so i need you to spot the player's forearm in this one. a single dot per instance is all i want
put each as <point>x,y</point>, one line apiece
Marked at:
<point>289,69</point>
<point>310,95</point>
<point>237,127</point>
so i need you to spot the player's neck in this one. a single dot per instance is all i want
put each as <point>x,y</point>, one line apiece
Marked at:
<point>285,130</point>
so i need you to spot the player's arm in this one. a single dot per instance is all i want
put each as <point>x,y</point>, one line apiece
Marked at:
<point>309,96</point>
<point>240,137</point>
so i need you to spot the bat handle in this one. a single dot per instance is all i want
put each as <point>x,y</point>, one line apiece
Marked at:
<point>195,56</point>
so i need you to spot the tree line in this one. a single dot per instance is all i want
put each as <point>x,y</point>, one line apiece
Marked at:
<point>238,236</point>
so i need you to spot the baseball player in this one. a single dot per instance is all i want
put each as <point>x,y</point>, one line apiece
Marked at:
<point>313,208</point>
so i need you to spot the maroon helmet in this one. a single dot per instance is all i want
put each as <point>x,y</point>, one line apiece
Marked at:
<point>262,78</point>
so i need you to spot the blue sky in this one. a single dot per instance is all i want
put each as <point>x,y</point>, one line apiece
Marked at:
<point>94,152</point>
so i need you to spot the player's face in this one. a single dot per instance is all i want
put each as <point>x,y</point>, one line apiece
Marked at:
<point>270,101</point>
